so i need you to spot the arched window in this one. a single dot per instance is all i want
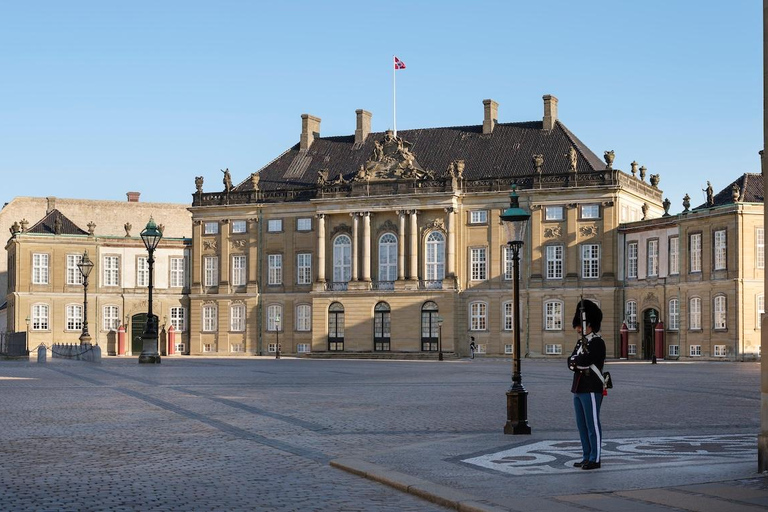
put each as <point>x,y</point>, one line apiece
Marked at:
<point>387,258</point>
<point>342,259</point>
<point>435,257</point>
<point>429,328</point>
<point>381,327</point>
<point>336,327</point>
<point>720,312</point>
<point>694,313</point>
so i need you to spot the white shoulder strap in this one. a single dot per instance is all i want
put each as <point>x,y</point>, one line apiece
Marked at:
<point>599,375</point>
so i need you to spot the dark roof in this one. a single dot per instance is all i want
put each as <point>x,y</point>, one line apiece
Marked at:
<point>750,191</point>
<point>507,152</point>
<point>47,225</point>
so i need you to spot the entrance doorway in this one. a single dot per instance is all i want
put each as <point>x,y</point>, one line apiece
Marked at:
<point>648,334</point>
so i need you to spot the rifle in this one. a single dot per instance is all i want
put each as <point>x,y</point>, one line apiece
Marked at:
<point>583,324</point>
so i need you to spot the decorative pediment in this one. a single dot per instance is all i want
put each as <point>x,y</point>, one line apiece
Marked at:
<point>387,226</point>
<point>553,232</point>
<point>438,224</point>
<point>392,159</point>
<point>341,228</point>
<point>587,231</point>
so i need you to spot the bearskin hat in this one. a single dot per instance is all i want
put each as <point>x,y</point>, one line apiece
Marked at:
<point>593,313</point>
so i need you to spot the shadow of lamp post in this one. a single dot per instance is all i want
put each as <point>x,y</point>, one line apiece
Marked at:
<point>515,220</point>
<point>85,265</point>
<point>151,237</point>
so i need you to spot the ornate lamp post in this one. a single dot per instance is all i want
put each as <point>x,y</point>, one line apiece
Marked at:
<point>27,341</point>
<point>151,237</point>
<point>515,221</point>
<point>652,316</point>
<point>277,336</point>
<point>439,338</point>
<point>85,266</point>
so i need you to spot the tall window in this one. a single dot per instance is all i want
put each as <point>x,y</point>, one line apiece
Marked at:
<point>209,318</point>
<point>720,250</point>
<point>653,258</point>
<point>430,329</point>
<point>237,317</point>
<point>760,306</point>
<point>74,317</point>
<point>479,264</point>
<point>720,312</point>
<point>303,317</point>
<point>760,247</point>
<point>73,273</point>
<point>674,314</point>
<point>39,269</point>
<point>695,243</point>
<point>211,264</point>
<point>509,319</point>
<point>238,270</point>
<point>342,259</point>
<point>387,257</point>
<point>478,316</point>
<point>590,261</point>
<point>632,260</point>
<point>509,264</point>
<point>177,272</point>
<point>630,314</point>
<point>178,319</point>
<point>381,326</point>
<point>435,257</point>
<point>110,318</point>
<point>304,268</point>
<point>694,313</point>
<point>40,317</point>
<point>275,265</point>
<point>674,255</point>
<point>554,261</point>
<point>111,271</point>
<point>275,317</point>
<point>335,327</point>
<point>142,272</point>
<point>553,315</point>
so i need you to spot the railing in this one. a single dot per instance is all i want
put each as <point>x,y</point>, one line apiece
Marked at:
<point>13,344</point>
<point>383,285</point>
<point>431,284</point>
<point>333,286</point>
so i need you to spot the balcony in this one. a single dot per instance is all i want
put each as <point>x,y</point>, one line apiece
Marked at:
<point>382,285</point>
<point>332,286</point>
<point>430,284</point>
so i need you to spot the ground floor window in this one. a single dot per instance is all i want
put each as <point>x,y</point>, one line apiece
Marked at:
<point>381,327</point>
<point>674,350</point>
<point>336,327</point>
<point>554,349</point>
<point>632,350</point>
<point>237,347</point>
<point>207,347</point>
<point>508,349</point>
<point>695,350</point>
<point>719,351</point>
<point>303,348</point>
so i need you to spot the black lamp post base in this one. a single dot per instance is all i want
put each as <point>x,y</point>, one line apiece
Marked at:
<point>85,339</point>
<point>149,359</point>
<point>517,411</point>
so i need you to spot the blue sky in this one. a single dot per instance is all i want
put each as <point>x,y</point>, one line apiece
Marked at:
<point>99,98</point>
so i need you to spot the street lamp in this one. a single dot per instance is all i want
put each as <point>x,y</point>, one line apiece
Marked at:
<point>515,221</point>
<point>27,320</point>
<point>652,316</point>
<point>85,266</point>
<point>151,237</point>
<point>277,335</point>
<point>439,338</point>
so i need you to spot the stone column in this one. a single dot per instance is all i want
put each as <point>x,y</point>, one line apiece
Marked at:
<point>401,246</point>
<point>355,243</point>
<point>320,247</point>
<point>367,246</point>
<point>414,274</point>
<point>451,249</point>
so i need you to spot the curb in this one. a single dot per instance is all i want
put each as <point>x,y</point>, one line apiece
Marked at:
<point>438,494</point>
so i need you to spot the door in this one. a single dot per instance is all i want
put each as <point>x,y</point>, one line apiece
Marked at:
<point>138,324</point>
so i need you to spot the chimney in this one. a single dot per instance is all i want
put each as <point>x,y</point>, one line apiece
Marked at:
<point>310,128</point>
<point>133,197</point>
<point>50,204</point>
<point>490,115</point>
<point>363,125</point>
<point>550,111</point>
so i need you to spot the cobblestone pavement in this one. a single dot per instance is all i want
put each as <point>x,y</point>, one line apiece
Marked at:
<point>259,434</point>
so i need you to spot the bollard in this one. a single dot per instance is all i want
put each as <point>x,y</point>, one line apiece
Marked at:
<point>42,352</point>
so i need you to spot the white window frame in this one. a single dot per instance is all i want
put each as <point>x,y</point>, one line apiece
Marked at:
<point>40,317</point>
<point>508,349</point>
<point>478,263</point>
<point>694,350</point>
<point>275,317</point>
<point>554,259</point>
<point>239,226</point>
<point>630,314</point>
<point>553,213</point>
<point>236,347</point>
<point>304,268</point>
<point>178,316</point>
<point>208,347</point>
<point>142,272</point>
<point>508,316</point>
<point>759,310</point>
<point>111,273</point>
<point>303,348</point>
<point>274,225</point>
<point>694,313</point>
<point>434,260</point>
<point>303,317</point>
<point>719,240</point>
<point>210,228</point>
<point>177,272</point>
<point>674,314</point>
<point>720,313</point>
<point>590,211</point>
<point>40,268</point>
<point>653,258</point>
<point>387,257</point>
<point>74,276</point>
<point>719,351</point>
<point>632,260</point>
<point>695,256</point>
<point>304,224</point>
<point>478,217</point>
<point>590,261</point>
<point>110,317</point>
<point>239,267</point>
<point>632,349</point>
<point>552,349</point>
<point>211,271</point>
<point>553,315</point>
<point>210,318</point>
<point>74,317</point>
<point>674,350</point>
<point>275,269</point>
<point>760,247</point>
<point>509,264</point>
<point>237,317</point>
<point>342,259</point>
<point>478,316</point>
<point>674,255</point>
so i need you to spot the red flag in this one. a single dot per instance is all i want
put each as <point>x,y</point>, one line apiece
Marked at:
<point>399,64</point>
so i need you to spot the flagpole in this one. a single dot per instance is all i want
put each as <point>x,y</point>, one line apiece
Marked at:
<point>394,97</point>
